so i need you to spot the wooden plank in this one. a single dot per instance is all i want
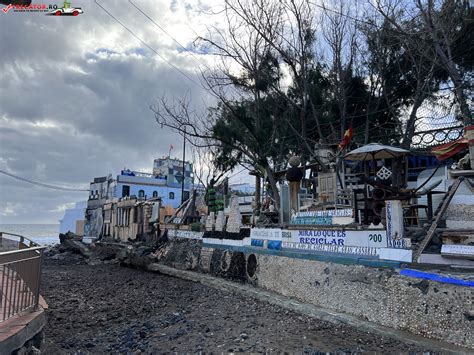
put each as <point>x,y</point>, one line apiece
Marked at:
<point>445,203</point>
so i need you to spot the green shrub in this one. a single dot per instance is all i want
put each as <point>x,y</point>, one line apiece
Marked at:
<point>196,227</point>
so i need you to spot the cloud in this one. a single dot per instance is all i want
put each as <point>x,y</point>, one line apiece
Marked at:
<point>75,97</point>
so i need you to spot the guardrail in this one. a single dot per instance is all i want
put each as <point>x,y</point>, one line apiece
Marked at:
<point>10,241</point>
<point>20,277</point>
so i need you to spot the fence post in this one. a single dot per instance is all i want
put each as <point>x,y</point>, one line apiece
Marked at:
<point>37,291</point>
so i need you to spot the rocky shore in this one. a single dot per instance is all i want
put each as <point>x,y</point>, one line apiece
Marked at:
<point>98,306</point>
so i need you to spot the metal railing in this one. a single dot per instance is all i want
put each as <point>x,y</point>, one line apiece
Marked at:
<point>20,278</point>
<point>10,241</point>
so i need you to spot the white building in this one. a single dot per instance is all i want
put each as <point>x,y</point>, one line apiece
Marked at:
<point>73,218</point>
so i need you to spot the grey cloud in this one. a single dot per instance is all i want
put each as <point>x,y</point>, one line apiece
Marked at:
<point>70,111</point>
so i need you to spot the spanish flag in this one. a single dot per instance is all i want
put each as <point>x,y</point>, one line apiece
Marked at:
<point>447,150</point>
<point>347,138</point>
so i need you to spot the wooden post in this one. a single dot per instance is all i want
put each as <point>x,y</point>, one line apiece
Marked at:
<point>257,194</point>
<point>469,135</point>
<point>294,190</point>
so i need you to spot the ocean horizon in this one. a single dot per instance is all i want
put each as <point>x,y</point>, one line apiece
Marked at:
<point>43,234</point>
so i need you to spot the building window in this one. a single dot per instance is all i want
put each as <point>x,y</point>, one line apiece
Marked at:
<point>141,194</point>
<point>125,190</point>
<point>155,193</point>
<point>171,195</point>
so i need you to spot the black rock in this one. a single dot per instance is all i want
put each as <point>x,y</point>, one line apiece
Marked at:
<point>89,345</point>
<point>148,325</point>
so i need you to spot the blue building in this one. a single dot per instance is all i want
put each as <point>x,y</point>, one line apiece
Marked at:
<point>165,182</point>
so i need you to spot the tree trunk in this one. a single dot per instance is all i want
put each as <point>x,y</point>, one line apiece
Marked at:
<point>273,184</point>
<point>410,128</point>
<point>257,195</point>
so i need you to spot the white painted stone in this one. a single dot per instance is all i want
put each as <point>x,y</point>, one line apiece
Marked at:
<point>458,250</point>
<point>404,255</point>
<point>212,241</point>
<point>220,221</point>
<point>394,218</point>
<point>210,221</point>
<point>236,243</point>
<point>234,222</point>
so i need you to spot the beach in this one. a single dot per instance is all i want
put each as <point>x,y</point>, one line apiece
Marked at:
<point>107,308</point>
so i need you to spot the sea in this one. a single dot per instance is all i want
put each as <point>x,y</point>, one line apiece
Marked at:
<point>43,234</point>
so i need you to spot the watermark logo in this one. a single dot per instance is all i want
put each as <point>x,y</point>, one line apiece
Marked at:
<point>47,9</point>
<point>8,8</point>
<point>66,10</point>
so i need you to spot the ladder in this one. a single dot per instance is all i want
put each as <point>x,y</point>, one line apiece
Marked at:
<point>438,215</point>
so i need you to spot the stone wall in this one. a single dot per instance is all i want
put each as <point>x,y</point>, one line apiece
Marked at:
<point>460,212</point>
<point>427,308</point>
<point>431,309</point>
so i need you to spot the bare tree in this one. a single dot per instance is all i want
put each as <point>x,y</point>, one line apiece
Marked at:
<point>340,34</point>
<point>244,67</point>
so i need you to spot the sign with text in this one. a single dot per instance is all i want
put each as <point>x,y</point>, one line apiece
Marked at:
<point>266,233</point>
<point>176,233</point>
<point>340,249</point>
<point>340,237</point>
<point>404,243</point>
<point>328,217</point>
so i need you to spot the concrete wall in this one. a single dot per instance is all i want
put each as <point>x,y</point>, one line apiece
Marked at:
<point>383,296</point>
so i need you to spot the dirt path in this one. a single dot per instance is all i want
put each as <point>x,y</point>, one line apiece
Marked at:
<point>111,309</point>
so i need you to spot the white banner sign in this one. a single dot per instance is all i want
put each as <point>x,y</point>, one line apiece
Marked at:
<point>176,233</point>
<point>266,233</point>
<point>329,217</point>
<point>329,213</point>
<point>332,248</point>
<point>366,238</point>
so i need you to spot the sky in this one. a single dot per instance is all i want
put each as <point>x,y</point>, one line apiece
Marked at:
<point>75,95</point>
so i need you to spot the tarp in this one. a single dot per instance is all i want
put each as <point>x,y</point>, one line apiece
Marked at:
<point>435,277</point>
<point>447,150</point>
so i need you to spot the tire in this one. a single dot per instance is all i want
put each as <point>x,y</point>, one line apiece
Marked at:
<point>75,13</point>
<point>251,268</point>
<point>57,13</point>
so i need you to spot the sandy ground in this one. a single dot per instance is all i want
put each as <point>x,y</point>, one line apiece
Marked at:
<point>111,309</point>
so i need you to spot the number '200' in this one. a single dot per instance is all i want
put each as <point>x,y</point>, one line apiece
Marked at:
<point>375,238</point>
